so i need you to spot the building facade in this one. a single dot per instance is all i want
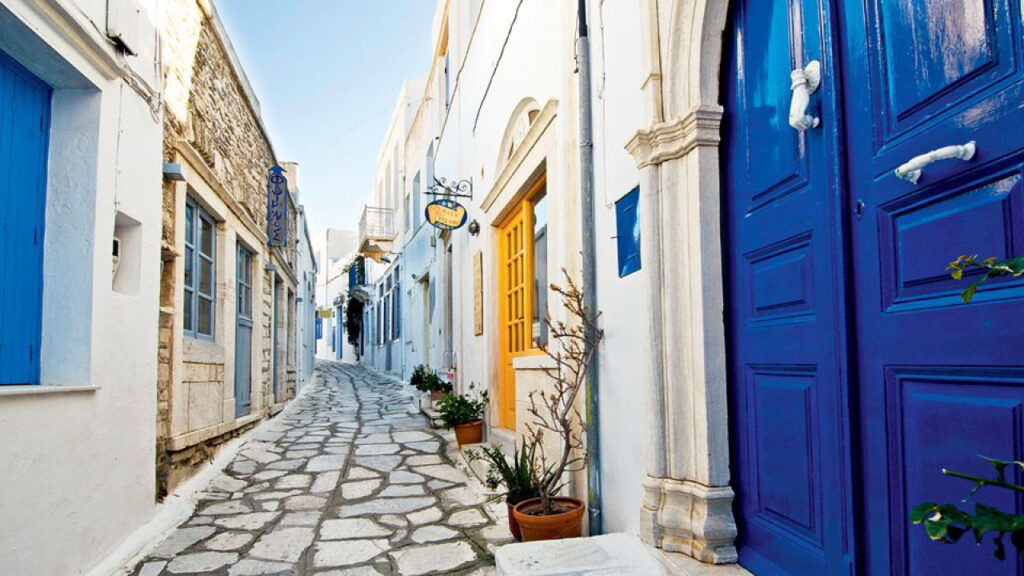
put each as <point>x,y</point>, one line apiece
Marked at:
<point>228,336</point>
<point>773,290</point>
<point>79,292</point>
<point>306,275</point>
<point>335,252</point>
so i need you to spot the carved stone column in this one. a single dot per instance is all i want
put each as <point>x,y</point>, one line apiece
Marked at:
<point>687,503</point>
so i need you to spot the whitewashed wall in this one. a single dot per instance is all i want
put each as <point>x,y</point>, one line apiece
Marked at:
<point>78,449</point>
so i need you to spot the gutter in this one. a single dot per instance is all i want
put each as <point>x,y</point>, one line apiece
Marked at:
<point>589,271</point>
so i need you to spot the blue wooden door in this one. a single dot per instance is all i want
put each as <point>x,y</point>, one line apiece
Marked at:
<point>243,332</point>
<point>785,304</point>
<point>24,137</point>
<point>938,381</point>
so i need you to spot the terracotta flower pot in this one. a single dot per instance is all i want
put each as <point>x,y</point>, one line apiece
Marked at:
<point>513,526</point>
<point>472,433</point>
<point>567,522</point>
<point>435,395</point>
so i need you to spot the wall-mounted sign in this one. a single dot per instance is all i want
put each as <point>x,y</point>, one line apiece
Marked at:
<point>446,214</point>
<point>324,313</point>
<point>277,208</point>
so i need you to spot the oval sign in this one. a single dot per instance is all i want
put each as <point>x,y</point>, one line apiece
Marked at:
<point>446,214</point>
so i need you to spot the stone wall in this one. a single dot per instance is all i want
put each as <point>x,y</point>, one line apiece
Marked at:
<point>212,119</point>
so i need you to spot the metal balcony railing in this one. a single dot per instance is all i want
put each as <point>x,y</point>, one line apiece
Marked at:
<point>376,224</point>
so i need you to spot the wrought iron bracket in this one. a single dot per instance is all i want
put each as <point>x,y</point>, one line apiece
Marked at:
<point>451,188</point>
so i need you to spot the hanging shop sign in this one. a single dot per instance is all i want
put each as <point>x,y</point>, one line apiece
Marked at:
<point>324,313</point>
<point>277,208</point>
<point>446,214</point>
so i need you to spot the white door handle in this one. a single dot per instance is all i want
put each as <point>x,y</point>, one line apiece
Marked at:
<point>803,82</point>
<point>911,170</point>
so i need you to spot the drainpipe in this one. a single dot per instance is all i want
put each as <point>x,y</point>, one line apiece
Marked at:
<point>589,271</point>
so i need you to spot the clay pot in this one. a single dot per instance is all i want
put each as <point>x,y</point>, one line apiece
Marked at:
<point>513,525</point>
<point>435,395</point>
<point>472,433</point>
<point>565,524</point>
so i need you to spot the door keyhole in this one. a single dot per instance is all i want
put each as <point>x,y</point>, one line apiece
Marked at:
<point>859,209</point>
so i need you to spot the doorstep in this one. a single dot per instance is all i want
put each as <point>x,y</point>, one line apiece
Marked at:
<point>606,555</point>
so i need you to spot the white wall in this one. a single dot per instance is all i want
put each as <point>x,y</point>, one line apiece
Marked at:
<point>78,463</point>
<point>618,107</point>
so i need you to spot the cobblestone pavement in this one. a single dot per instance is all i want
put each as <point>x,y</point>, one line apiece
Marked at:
<point>348,481</point>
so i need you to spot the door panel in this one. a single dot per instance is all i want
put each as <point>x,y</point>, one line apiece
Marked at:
<point>512,294</point>
<point>243,332</point>
<point>785,305</point>
<point>24,138</point>
<point>938,381</point>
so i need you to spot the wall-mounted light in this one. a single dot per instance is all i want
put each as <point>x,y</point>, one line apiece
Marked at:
<point>474,228</point>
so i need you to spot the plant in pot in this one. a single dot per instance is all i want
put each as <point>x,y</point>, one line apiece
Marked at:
<point>465,414</point>
<point>550,516</point>
<point>518,477</point>
<point>437,386</point>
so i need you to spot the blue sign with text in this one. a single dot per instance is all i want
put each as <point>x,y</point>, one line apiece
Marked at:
<point>277,208</point>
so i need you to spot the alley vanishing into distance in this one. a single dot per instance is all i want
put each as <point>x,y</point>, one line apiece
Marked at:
<point>351,480</point>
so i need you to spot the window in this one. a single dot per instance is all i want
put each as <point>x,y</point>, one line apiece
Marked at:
<point>627,226</point>
<point>199,307</point>
<point>408,215</point>
<point>416,201</point>
<point>396,306</point>
<point>244,282</point>
<point>447,80</point>
<point>540,269</point>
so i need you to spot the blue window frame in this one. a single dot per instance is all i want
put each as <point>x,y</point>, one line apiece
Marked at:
<point>24,149</point>
<point>627,225</point>
<point>320,329</point>
<point>200,263</point>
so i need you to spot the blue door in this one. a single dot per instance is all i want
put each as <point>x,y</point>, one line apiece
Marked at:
<point>243,333</point>
<point>785,300</point>
<point>24,138</point>
<point>938,381</point>
<point>856,372</point>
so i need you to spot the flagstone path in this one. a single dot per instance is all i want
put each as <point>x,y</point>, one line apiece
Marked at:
<point>350,480</point>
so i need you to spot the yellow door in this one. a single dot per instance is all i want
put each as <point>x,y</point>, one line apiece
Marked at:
<point>515,299</point>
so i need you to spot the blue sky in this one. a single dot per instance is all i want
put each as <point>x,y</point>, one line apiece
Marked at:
<point>327,74</point>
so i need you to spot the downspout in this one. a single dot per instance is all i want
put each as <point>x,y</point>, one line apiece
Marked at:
<point>589,271</point>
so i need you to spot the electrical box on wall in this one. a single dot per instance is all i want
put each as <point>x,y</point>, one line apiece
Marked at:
<point>124,24</point>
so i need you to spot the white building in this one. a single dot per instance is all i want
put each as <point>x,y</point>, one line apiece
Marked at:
<point>306,283</point>
<point>384,229</point>
<point>80,151</point>
<point>334,250</point>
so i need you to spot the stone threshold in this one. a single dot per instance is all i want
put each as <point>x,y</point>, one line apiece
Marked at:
<point>190,439</point>
<point>606,555</point>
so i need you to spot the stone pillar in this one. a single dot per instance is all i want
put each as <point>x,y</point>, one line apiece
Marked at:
<point>687,503</point>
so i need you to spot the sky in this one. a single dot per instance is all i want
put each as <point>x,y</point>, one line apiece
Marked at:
<point>327,74</point>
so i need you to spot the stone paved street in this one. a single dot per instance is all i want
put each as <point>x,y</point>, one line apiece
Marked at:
<point>350,480</point>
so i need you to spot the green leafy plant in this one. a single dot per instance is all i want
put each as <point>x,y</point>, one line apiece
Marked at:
<point>353,318</point>
<point>458,409</point>
<point>418,380</point>
<point>518,476</point>
<point>947,523</point>
<point>988,268</point>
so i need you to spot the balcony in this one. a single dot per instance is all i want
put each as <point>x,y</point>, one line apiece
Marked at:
<point>376,231</point>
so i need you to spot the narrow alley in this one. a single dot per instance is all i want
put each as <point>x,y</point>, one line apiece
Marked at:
<point>349,477</point>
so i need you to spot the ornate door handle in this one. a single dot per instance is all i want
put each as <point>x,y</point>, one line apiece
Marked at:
<point>803,82</point>
<point>911,169</point>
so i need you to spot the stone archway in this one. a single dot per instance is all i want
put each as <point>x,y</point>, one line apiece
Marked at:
<point>687,497</point>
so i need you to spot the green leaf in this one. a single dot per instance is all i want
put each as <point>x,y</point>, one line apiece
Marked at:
<point>921,511</point>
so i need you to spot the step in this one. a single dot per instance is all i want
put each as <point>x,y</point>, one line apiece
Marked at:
<point>607,555</point>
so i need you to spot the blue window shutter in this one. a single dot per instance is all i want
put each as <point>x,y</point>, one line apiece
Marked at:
<point>627,224</point>
<point>24,143</point>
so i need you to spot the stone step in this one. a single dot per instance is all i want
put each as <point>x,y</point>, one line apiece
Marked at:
<point>607,555</point>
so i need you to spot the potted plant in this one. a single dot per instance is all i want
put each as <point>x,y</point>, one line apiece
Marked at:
<point>437,386</point>
<point>518,477</point>
<point>550,516</point>
<point>464,413</point>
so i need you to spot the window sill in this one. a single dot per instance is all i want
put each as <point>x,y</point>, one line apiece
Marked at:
<point>37,390</point>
